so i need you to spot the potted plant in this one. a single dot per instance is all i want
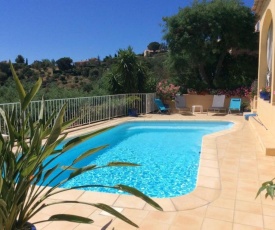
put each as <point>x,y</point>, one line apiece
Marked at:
<point>245,106</point>
<point>132,102</point>
<point>265,93</point>
<point>23,169</point>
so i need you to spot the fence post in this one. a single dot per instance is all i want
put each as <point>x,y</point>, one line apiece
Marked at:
<point>109,105</point>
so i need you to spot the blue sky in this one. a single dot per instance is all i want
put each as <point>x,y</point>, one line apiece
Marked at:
<point>81,29</point>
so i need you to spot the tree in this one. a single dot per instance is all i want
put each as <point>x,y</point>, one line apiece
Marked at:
<point>64,63</point>
<point>5,68</point>
<point>3,78</point>
<point>154,46</point>
<point>201,37</point>
<point>20,59</point>
<point>127,75</point>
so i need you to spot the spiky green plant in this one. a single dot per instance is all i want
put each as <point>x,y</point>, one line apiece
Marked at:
<point>24,171</point>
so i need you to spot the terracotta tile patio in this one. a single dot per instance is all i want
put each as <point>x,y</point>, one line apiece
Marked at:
<point>232,168</point>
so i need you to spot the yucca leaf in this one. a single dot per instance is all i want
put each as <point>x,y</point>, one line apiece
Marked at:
<point>3,213</point>
<point>139,194</point>
<point>101,206</point>
<point>3,204</point>
<point>80,171</point>
<point>67,124</point>
<point>20,90</point>
<point>29,166</point>
<point>114,212</point>
<point>8,124</point>
<point>56,130</point>
<point>118,163</point>
<point>29,96</point>
<point>71,218</point>
<point>36,141</point>
<point>49,172</point>
<point>80,139</point>
<point>1,181</point>
<point>88,153</point>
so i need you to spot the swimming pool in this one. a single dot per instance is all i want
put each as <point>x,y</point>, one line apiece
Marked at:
<point>168,152</point>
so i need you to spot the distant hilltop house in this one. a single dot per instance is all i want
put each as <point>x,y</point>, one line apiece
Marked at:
<point>155,48</point>
<point>150,53</point>
<point>87,63</point>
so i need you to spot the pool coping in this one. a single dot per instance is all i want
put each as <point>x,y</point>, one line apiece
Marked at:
<point>207,190</point>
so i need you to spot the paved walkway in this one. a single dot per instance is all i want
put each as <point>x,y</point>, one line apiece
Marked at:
<point>231,171</point>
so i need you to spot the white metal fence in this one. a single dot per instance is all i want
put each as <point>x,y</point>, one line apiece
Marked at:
<point>87,109</point>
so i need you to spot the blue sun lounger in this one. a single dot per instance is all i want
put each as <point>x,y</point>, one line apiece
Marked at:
<point>161,107</point>
<point>235,104</point>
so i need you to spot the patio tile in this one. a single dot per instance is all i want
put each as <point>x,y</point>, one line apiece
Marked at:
<point>128,201</point>
<point>248,207</point>
<point>61,225</point>
<point>205,193</point>
<point>219,213</point>
<point>228,193</point>
<point>207,171</point>
<point>248,187</point>
<point>223,203</point>
<point>229,176</point>
<point>87,227</point>
<point>247,218</point>
<point>245,227</point>
<point>229,185</point>
<point>248,196</point>
<point>163,217</point>
<point>39,217</point>
<point>187,221</point>
<point>244,175</point>
<point>209,156</point>
<point>268,210</point>
<point>67,195</point>
<point>134,213</point>
<point>55,209</point>
<point>100,220</point>
<point>81,209</point>
<point>266,201</point>
<point>165,203</point>
<point>188,202</point>
<point>269,222</point>
<point>120,224</point>
<point>209,163</point>
<point>216,224</point>
<point>209,182</point>
<point>200,211</point>
<point>98,197</point>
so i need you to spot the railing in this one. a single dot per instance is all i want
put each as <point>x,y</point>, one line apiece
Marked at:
<point>87,109</point>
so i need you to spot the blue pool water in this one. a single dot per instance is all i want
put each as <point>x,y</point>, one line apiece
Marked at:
<point>168,152</point>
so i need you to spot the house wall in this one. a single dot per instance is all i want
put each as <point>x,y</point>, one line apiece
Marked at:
<point>266,114</point>
<point>266,109</point>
